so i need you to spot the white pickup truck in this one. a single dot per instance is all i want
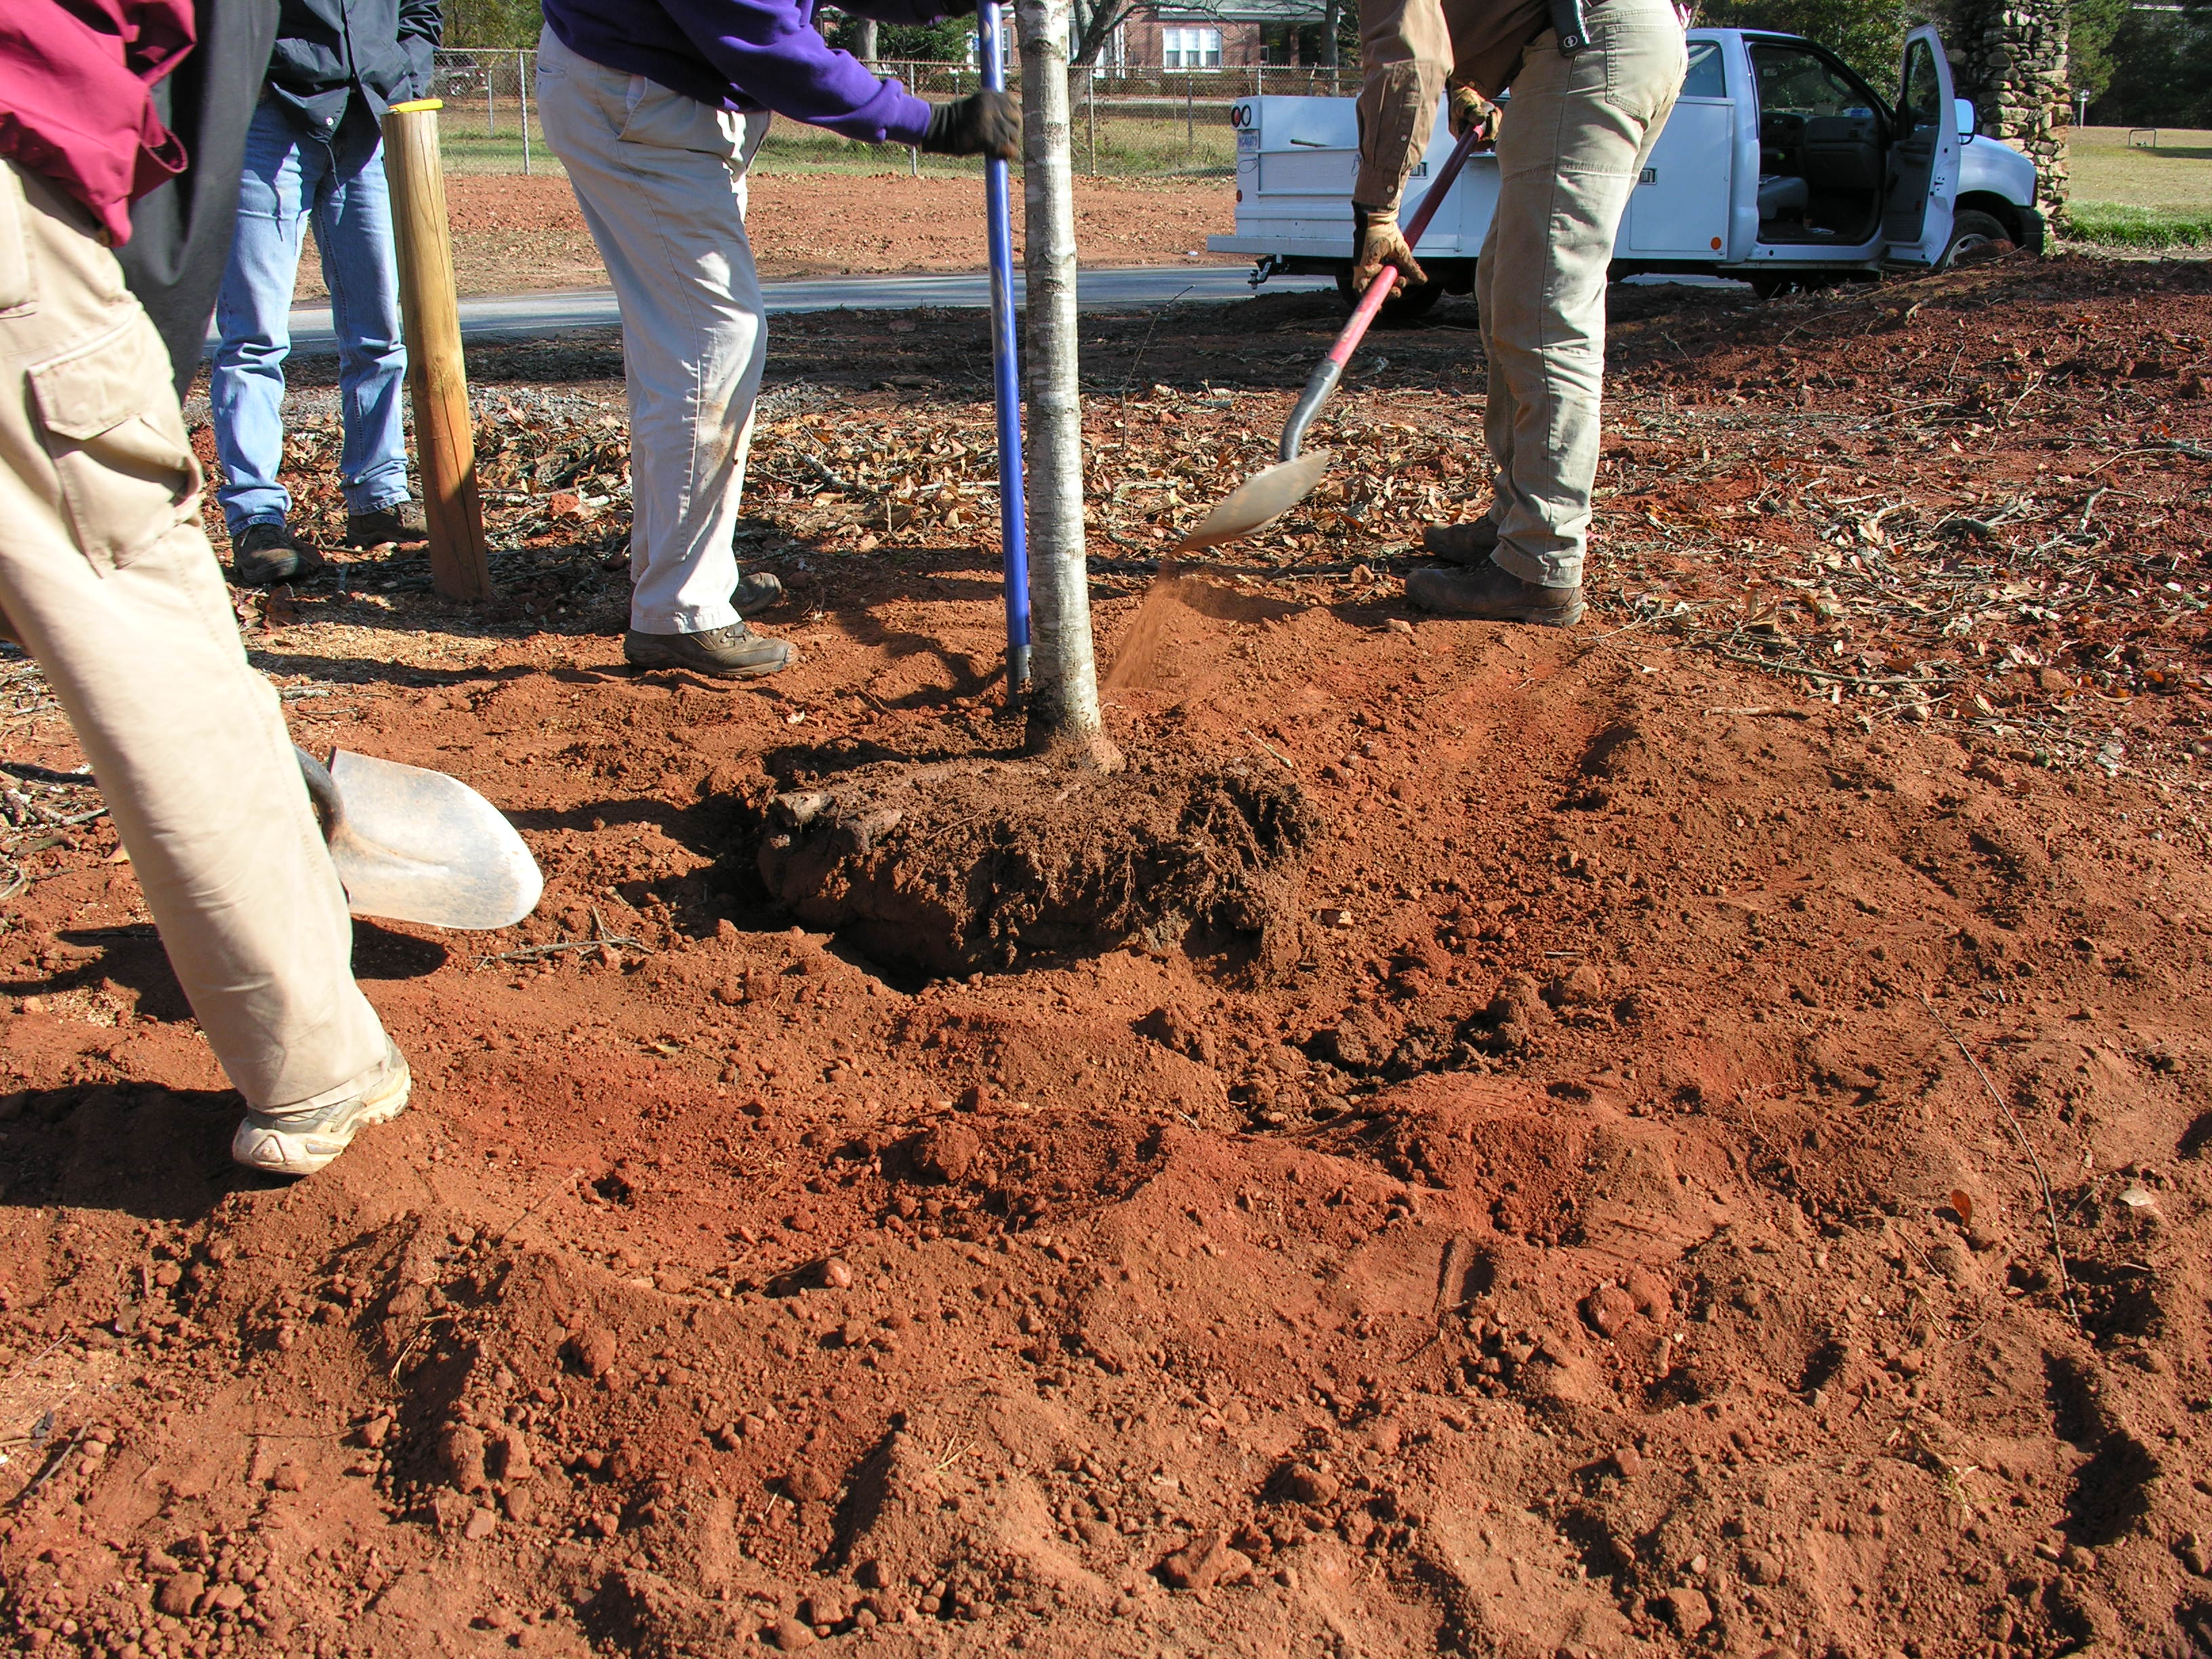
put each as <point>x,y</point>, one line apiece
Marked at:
<point>1779,167</point>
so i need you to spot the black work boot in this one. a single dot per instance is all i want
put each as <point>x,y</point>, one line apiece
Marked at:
<point>757,591</point>
<point>1495,595</point>
<point>734,652</point>
<point>400,525</point>
<point>270,555</point>
<point>1470,541</point>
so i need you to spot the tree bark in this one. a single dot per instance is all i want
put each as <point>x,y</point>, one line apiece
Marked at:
<point>2013,64</point>
<point>867,52</point>
<point>1063,709</point>
<point>1332,18</point>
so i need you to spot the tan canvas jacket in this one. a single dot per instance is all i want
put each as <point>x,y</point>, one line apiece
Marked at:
<point>1411,48</point>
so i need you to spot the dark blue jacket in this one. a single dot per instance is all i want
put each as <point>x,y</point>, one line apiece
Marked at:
<point>754,54</point>
<point>327,49</point>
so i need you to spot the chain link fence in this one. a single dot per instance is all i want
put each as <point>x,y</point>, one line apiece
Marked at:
<point>1129,122</point>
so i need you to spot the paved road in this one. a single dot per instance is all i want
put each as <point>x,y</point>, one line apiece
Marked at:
<point>527,316</point>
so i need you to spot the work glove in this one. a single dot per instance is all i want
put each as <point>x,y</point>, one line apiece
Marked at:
<point>1470,109</point>
<point>1377,241</point>
<point>984,124</point>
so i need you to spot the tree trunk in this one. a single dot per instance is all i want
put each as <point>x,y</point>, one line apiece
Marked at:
<point>1063,711</point>
<point>868,52</point>
<point>2014,66</point>
<point>1332,18</point>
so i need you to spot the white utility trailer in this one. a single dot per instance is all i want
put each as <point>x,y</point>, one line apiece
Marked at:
<point>1779,166</point>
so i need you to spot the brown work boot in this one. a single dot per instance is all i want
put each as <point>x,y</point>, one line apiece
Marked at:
<point>268,555</point>
<point>734,652</point>
<point>1494,595</point>
<point>1470,541</point>
<point>403,524</point>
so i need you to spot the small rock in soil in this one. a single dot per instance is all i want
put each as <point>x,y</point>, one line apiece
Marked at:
<point>595,1351</point>
<point>947,1152</point>
<point>180,1593</point>
<point>1687,1610</point>
<point>461,1457</point>
<point>786,1634</point>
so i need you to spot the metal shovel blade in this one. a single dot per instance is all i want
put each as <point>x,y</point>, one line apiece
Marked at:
<point>414,845</point>
<point>1258,502</point>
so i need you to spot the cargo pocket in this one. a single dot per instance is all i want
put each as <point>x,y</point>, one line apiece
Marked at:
<point>111,427</point>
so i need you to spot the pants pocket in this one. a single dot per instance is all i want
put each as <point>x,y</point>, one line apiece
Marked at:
<point>15,288</point>
<point>112,430</point>
<point>1645,61</point>
<point>662,119</point>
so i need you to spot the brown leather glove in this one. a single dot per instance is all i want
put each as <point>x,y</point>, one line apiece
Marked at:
<point>1469,108</point>
<point>1377,241</point>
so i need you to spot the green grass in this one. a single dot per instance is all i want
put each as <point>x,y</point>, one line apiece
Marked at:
<point>1128,146</point>
<point>2118,224</point>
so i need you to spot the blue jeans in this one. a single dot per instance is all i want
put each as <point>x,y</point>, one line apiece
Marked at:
<point>290,177</point>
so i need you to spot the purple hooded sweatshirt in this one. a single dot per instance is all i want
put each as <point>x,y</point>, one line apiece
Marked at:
<point>753,54</point>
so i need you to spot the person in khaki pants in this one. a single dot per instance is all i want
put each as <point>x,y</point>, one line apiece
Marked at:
<point>1571,141</point>
<point>107,579</point>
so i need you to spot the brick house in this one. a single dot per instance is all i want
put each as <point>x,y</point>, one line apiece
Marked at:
<point>1229,34</point>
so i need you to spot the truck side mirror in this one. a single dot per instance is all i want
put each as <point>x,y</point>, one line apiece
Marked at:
<point>1963,114</point>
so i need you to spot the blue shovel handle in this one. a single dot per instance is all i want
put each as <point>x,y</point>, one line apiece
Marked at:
<point>1005,370</point>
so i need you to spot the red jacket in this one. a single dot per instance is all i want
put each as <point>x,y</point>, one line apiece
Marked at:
<point>75,96</point>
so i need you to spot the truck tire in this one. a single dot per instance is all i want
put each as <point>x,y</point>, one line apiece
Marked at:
<point>1409,305</point>
<point>1974,232</point>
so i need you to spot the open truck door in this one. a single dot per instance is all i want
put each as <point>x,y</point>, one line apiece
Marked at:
<point>1923,157</point>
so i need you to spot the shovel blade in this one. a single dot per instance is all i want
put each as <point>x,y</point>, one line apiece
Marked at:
<point>1258,502</point>
<point>415,845</point>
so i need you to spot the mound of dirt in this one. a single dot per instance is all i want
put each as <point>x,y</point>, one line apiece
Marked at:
<point>968,865</point>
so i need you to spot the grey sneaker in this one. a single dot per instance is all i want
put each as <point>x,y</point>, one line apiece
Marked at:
<point>1470,541</point>
<point>734,652</point>
<point>757,591</point>
<point>270,555</point>
<point>301,1143</point>
<point>1494,595</point>
<point>401,524</point>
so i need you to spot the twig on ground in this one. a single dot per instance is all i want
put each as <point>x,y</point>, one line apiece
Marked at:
<point>2042,1179</point>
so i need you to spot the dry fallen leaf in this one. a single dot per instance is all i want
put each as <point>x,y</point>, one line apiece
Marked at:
<point>1963,1203</point>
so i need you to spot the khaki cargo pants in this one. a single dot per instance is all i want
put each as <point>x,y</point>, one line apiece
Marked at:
<point>1575,138</point>
<point>108,579</point>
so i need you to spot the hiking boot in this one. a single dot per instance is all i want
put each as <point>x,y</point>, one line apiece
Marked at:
<point>1495,595</point>
<point>301,1143</point>
<point>400,525</point>
<point>756,593</point>
<point>734,652</point>
<point>1468,543</point>
<point>268,555</point>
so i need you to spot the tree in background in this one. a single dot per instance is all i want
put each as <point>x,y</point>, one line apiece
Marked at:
<point>2156,69</point>
<point>948,40</point>
<point>1867,35</point>
<point>486,24</point>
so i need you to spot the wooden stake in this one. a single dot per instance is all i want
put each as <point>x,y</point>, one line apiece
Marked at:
<point>437,376</point>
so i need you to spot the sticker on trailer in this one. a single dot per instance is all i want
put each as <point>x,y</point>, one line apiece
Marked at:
<point>1248,138</point>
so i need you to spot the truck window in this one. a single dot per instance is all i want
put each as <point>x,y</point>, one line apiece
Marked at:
<point>1922,104</point>
<point>1794,82</point>
<point>1707,77</point>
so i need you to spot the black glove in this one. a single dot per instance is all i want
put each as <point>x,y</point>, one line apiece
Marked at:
<point>987,123</point>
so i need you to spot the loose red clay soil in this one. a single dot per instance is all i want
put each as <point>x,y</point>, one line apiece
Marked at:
<point>1719,1169</point>
<point>515,234</point>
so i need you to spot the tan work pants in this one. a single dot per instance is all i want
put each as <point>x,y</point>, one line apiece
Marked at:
<point>108,581</point>
<point>1576,135</point>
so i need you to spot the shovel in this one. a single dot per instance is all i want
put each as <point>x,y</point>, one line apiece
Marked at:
<point>1266,496</point>
<point>413,845</point>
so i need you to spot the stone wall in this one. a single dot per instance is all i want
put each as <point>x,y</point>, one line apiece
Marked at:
<point>2011,61</point>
